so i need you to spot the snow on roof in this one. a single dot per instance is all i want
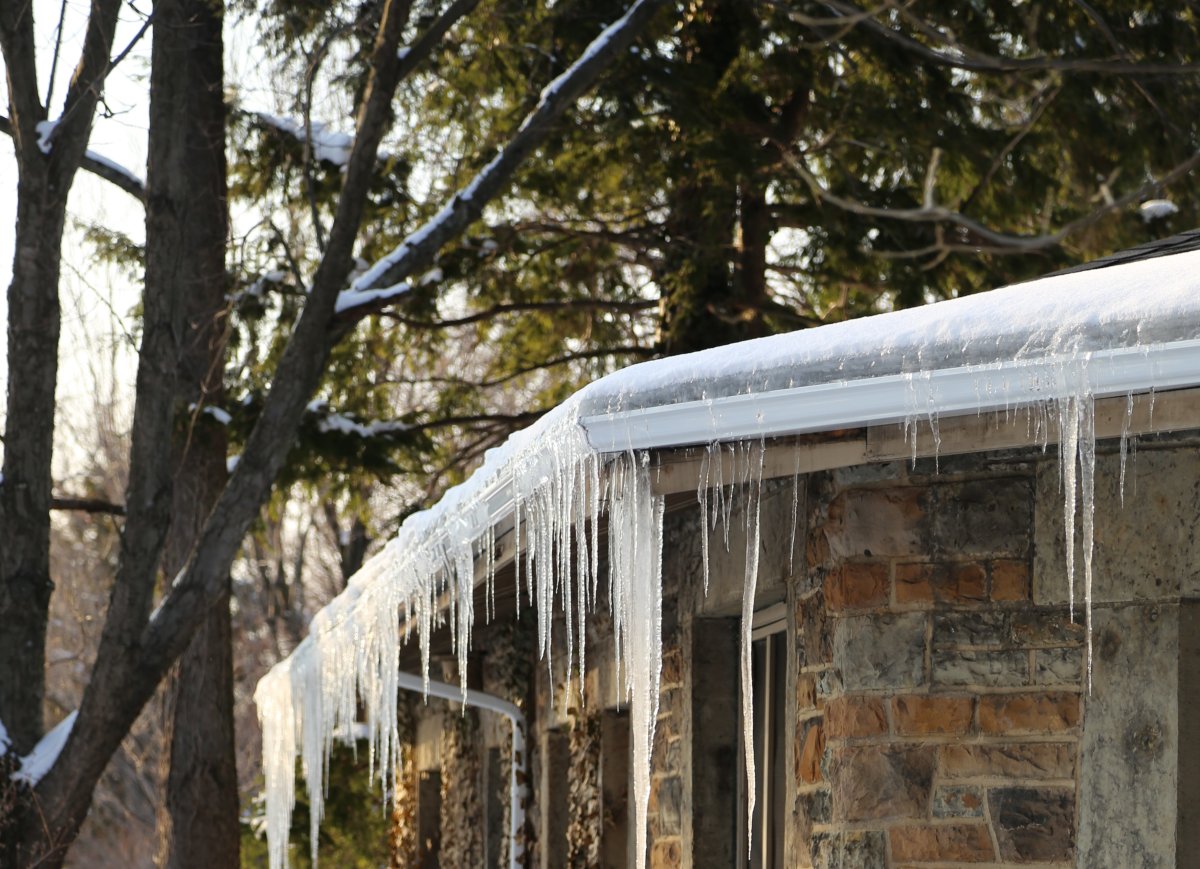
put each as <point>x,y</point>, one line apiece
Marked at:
<point>1057,343</point>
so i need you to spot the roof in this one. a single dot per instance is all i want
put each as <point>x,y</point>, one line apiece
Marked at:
<point>1180,243</point>
<point>1132,326</point>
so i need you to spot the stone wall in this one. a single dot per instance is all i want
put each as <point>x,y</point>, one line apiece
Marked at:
<point>939,708</point>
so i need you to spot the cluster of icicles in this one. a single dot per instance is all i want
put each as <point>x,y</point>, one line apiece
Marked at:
<point>556,486</point>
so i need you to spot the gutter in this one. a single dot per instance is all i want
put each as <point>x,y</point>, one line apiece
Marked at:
<point>896,398</point>
<point>516,787</point>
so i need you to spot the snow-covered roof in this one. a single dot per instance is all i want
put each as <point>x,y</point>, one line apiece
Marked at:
<point>1059,342</point>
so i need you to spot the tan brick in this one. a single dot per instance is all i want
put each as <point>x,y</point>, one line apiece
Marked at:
<point>962,843</point>
<point>924,583</point>
<point>1040,760</point>
<point>917,714</point>
<point>1010,581</point>
<point>1052,712</point>
<point>881,781</point>
<point>854,715</point>
<point>672,667</point>
<point>857,585</point>
<point>666,855</point>
<point>806,692</point>
<point>808,759</point>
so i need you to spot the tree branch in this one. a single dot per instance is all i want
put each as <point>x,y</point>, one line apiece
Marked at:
<point>1011,242</point>
<point>86,505</point>
<point>418,250</point>
<point>98,166</point>
<point>971,60</point>
<point>517,307</point>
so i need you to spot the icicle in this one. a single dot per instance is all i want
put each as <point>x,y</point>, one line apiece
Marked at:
<point>1126,422</point>
<point>1087,475</point>
<point>795,514</point>
<point>753,504</point>
<point>1068,453</point>
<point>635,554</point>
<point>702,498</point>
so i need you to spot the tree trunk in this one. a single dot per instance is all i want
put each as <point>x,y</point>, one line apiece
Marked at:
<point>33,329</point>
<point>186,228</point>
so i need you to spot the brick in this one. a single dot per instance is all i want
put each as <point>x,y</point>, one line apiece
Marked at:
<point>957,801</point>
<point>1052,627</point>
<point>919,714</point>
<point>1058,667</point>
<point>857,585</point>
<point>1052,712</point>
<point>672,667</point>
<point>962,843</point>
<point>1034,824</point>
<point>879,523</point>
<point>1035,761</point>
<point>993,669</point>
<point>858,849</point>
<point>811,753</point>
<point>984,518</point>
<point>851,716</point>
<point>931,583</point>
<point>880,651</point>
<point>666,855</point>
<point>881,781</point>
<point>1010,581</point>
<point>971,628</point>
<point>806,692</point>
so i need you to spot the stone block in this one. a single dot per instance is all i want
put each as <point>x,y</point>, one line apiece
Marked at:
<point>854,715</point>
<point>1129,786</point>
<point>1058,667</point>
<point>880,651</point>
<point>942,843</point>
<point>806,692</point>
<point>958,801</point>
<point>971,628</point>
<point>665,806</point>
<point>1038,628</point>
<point>850,850</point>
<point>1147,549</point>
<point>1018,761</point>
<point>878,523</point>
<point>666,854</point>
<point>810,752</point>
<point>813,641</point>
<point>1029,713</point>
<point>816,805</point>
<point>1011,581</point>
<point>983,518</point>
<point>857,585</point>
<point>922,714</point>
<point>881,781</point>
<point>925,583</point>
<point>992,669</point>
<point>1034,825</point>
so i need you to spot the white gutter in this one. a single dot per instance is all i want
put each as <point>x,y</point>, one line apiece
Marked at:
<point>516,786</point>
<point>895,398</point>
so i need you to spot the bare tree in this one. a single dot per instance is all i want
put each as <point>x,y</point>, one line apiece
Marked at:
<point>138,646</point>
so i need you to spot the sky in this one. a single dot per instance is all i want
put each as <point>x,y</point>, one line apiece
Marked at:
<point>97,356</point>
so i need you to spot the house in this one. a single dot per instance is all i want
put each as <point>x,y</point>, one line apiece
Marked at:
<point>915,589</point>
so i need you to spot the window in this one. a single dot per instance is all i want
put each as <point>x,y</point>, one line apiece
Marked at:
<point>769,668</point>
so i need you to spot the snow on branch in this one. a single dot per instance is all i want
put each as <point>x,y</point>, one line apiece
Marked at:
<point>97,164</point>
<point>422,245</point>
<point>328,146</point>
<point>38,762</point>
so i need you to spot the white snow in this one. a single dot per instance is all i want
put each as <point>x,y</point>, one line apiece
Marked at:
<point>1153,209</point>
<point>352,298</point>
<point>113,165</point>
<point>218,413</point>
<point>5,742</point>
<point>553,485</point>
<point>38,762</point>
<point>45,129</point>
<point>328,145</point>
<point>341,423</point>
<point>231,463</point>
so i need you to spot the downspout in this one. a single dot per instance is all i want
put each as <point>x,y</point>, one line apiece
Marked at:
<point>516,789</point>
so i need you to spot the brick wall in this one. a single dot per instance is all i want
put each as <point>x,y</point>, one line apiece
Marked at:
<point>938,709</point>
